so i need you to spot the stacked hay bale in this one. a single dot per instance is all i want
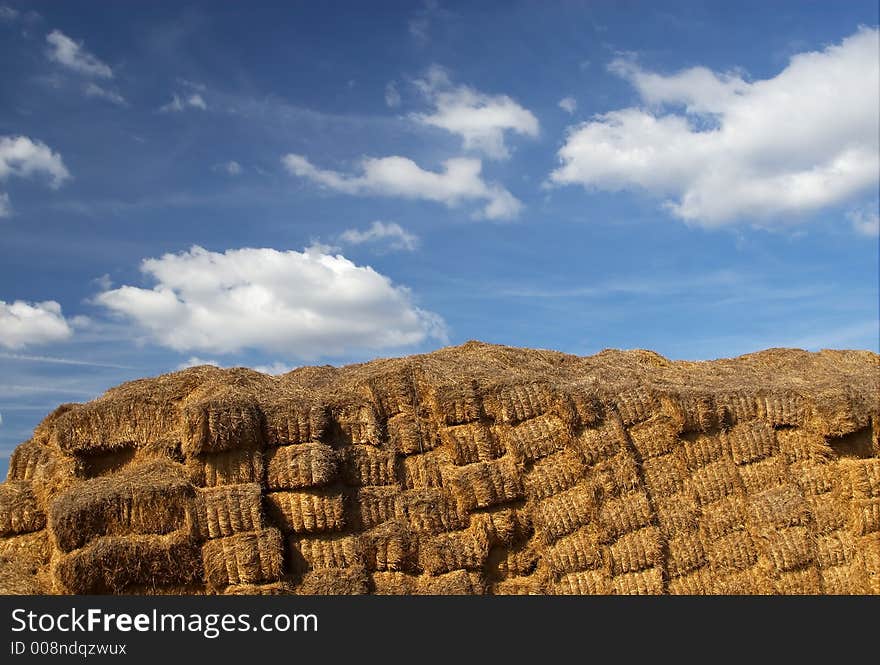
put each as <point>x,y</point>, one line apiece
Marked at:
<point>476,469</point>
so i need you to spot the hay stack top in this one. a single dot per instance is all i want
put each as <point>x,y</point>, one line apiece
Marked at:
<point>475,468</point>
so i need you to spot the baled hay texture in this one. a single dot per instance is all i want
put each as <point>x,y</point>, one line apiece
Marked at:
<point>788,548</point>
<point>583,583</point>
<point>815,478</point>
<point>231,467</point>
<point>230,509</point>
<point>777,507</point>
<point>357,423</point>
<point>698,582</point>
<point>245,558</point>
<point>394,391</point>
<point>596,444</point>
<point>733,552</point>
<point>470,443</point>
<point>576,552</point>
<point>487,484</point>
<point>38,462</point>
<point>722,517</point>
<point>553,474</point>
<point>306,512</point>
<point>23,560</point>
<point>866,517</point>
<point>371,506</point>
<point>616,475</point>
<point>429,510</point>
<point>636,551</point>
<point>421,471</point>
<point>864,477</point>
<point>293,421</point>
<point>300,466</point>
<point>504,562</point>
<point>751,441</point>
<point>368,465</point>
<point>579,407</point>
<point>223,422</point>
<point>467,549</point>
<point>536,438</point>
<point>634,406</point>
<point>685,554</point>
<point>455,583</point>
<point>457,404</point>
<point>643,583</point>
<point>388,547</point>
<point>270,589</point>
<point>654,437</point>
<point>408,434</point>
<point>114,563</point>
<point>787,408</point>
<point>386,583</point>
<point>677,514</point>
<point>154,498</point>
<point>505,525</point>
<point>325,552</point>
<point>764,474</point>
<point>739,405</point>
<point>800,444</point>
<point>829,511</point>
<point>701,450</point>
<point>695,412</point>
<point>20,511</point>
<point>565,512</point>
<point>842,581</point>
<point>334,582</point>
<point>835,549</point>
<point>624,514</point>
<point>802,582</point>
<point>531,585</point>
<point>739,583</point>
<point>665,475</point>
<point>524,402</point>
<point>714,481</point>
<point>34,547</point>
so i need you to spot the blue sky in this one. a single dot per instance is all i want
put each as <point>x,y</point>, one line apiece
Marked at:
<point>273,185</point>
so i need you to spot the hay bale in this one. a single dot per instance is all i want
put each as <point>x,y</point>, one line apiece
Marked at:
<point>842,581</point>
<point>470,443</point>
<point>664,475</point>
<point>865,516</point>
<point>740,406</point>
<point>229,509</point>
<point>326,552</point>
<point>457,404</point>
<point>533,439</point>
<point>677,514</point>
<point>578,551</point>
<point>231,467</point>
<point>524,402</point>
<point>617,475</point>
<point>429,511</point>
<point>835,549</point>
<point>777,507</point>
<point>698,582</point>
<point>739,583</point>
<point>384,583</point>
<point>635,406</point>
<point>643,583</point>
<point>513,561</point>
<point>371,506</point>
<point>467,549</point>
<point>815,478</point>
<point>486,484</point>
<point>531,585</point>
<point>553,474</point>
<point>629,512</point>
<point>787,548</point>
<point>583,583</point>
<point>455,583</point>
<point>735,551</point>
<point>768,472</point>
<point>367,465</point>
<point>565,512</point>
<point>684,554</point>
<point>654,437</point>
<point>300,466</point>
<point>334,582</point>
<point>864,477</point>
<point>245,558</point>
<point>113,564</point>
<point>270,589</point>
<point>422,471</point>
<point>830,512</point>
<point>408,434</point>
<point>696,412</point>
<point>155,498</point>
<point>20,512</point>
<point>784,408</point>
<point>798,445</point>
<point>356,423</point>
<point>701,450</point>
<point>751,441</point>
<point>598,443</point>
<point>306,511</point>
<point>293,421</point>
<point>23,560</point>
<point>801,582</point>
<point>38,462</point>
<point>222,422</point>
<point>636,551</point>
<point>388,547</point>
<point>714,481</point>
<point>720,518</point>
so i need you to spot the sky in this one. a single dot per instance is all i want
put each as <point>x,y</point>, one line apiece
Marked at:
<point>278,184</point>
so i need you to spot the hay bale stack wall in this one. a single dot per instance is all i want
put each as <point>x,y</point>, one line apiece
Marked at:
<point>474,469</point>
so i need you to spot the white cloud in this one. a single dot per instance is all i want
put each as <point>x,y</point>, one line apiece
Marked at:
<point>392,96</point>
<point>479,119</point>
<point>459,181</point>
<point>729,149</point>
<point>275,368</point>
<point>865,221</point>
<point>230,168</point>
<point>66,52</point>
<point>394,234</point>
<point>8,13</point>
<point>303,304</point>
<point>568,104</point>
<point>195,361</point>
<point>180,103</point>
<point>94,90</point>
<point>23,324</point>
<point>22,157</point>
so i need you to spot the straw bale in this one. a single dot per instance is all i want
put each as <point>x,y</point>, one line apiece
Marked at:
<point>306,511</point>
<point>531,585</point>
<point>421,471</point>
<point>830,512</point>
<point>20,512</point>
<point>407,435</point>
<point>23,560</point>
<point>734,551</point>
<point>324,552</point>
<point>19,577</point>
<point>616,475</point>
<point>676,514</point>
<point>700,413</point>
<point>457,404</point>
<point>38,462</point>
<point>842,581</point>
<point>786,408</point>
<point>538,437</point>
<point>34,547</point>
<point>553,474</point>
<point>752,441</point>
<point>352,581</point>
<point>154,498</point>
<point>698,582</point>
<point>578,551</point>
<point>866,516</point>
<point>388,547</point>
<point>636,405</point>
<point>583,583</point>
<point>222,422</point>
<point>245,558</point>
<point>112,564</point>
<point>626,513</point>
<point>270,589</point>
<point>835,549</point>
<point>636,551</point>
<point>720,518</point>
<point>654,437</point>
<point>805,581</point>
<point>386,583</point>
<point>367,465</point>
<point>665,475</point>
<point>357,423</point>
<point>699,450</point>
<point>293,421</point>
<point>371,506</point>
<point>470,443</point>
<point>787,548</point>
<point>798,444</point>
<point>467,549</point>
<point>815,478</point>
<point>579,407</point>
<point>598,443</point>
<point>516,561</point>
<point>524,402</point>
<point>869,547</point>
<point>231,467</point>
<point>454,583</point>
<point>740,406</point>
<point>300,466</point>
<point>485,484</point>
<point>714,481</point>
<point>778,507</point>
<point>395,391</point>
<point>565,512</point>
<point>738,583</point>
<point>429,510</point>
<point>643,583</point>
<point>506,524</point>
<point>229,509</point>
<point>864,477</point>
<point>685,553</point>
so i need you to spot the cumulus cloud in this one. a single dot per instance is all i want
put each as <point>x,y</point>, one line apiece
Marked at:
<point>275,369</point>
<point>195,361</point>
<point>28,324</point>
<point>302,304</point>
<point>180,103</point>
<point>94,90</point>
<point>23,158</point>
<point>865,221</point>
<point>459,181</point>
<point>392,96</point>
<point>68,53</point>
<point>481,120</point>
<point>568,104</point>
<point>393,234</point>
<point>719,149</point>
